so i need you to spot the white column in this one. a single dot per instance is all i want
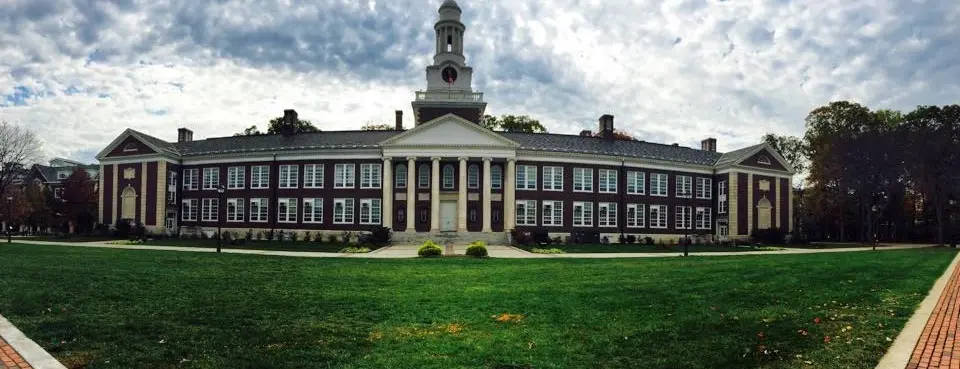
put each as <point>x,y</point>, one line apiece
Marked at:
<point>411,194</point>
<point>776,203</point>
<point>509,195</point>
<point>462,198</point>
<point>486,196</point>
<point>435,195</point>
<point>789,190</point>
<point>386,214</point>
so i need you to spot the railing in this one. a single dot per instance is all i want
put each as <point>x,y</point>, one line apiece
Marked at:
<point>449,96</point>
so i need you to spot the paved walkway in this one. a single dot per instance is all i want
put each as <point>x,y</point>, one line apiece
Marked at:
<point>10,358</point>
<point>19,352</point>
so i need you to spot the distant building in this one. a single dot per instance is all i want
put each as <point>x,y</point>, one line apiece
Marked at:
<point>52,176</point>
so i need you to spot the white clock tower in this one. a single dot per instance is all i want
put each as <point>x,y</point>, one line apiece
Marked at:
<point>449,78</point>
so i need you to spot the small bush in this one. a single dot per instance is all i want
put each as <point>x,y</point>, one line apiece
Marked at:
<point>355,250</point>
<point>631,239</point>
<point>121,229</point>
<point>547,251</point>
<point>249,235</point>
<point>270,235</point>
<point>478,249</point>
<point>259,235</point>
<point>331,238</point>
<point>227,236</point>
<point>520,238</point>
<point>429,249</point>
<point>306,237</point>
<point>318,238</point>
<point>769,236</point>
<point>380,236</point>
<point>648,240</point>
<point>203,235</point>
<point>294,237</point>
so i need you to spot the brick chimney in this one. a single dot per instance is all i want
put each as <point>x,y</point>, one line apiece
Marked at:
<point>606,127</point>
<point>184,135</point>
<point>399,122</point>
<point>289,122</point>
<point>709,144</point>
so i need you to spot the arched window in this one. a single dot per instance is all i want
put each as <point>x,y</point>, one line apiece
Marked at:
<point>423,176</point>
<point>401,176</point>
<point>763,160</point>
<point>448,176</point>
<point>130,147</point>
<point>496,177</point>
<point>473,176</point>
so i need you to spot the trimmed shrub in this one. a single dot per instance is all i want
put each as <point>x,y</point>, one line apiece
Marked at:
<point>306,237</point>
<point>331,238</point>
<point>249,235</point>
<point>429,249</point>
<point>631,239</point>
<point>122,229</point>
<point>269,235</point>
<point>294,237</point>
<point>478,249</point>
<point>769,236</point>
<point>259,235</point>
<point>379,236</point>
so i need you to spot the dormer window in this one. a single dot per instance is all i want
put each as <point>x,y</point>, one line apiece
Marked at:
<point>763,160</point>
<point>129,147</point>
<point>61,175</point>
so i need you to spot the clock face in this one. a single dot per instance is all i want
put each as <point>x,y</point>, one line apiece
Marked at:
<point>449,74</point>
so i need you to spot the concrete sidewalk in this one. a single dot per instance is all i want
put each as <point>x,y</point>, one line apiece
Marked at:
<point>19,352</point>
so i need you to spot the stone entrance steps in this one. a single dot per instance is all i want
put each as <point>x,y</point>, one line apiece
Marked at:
<point>444,238</point>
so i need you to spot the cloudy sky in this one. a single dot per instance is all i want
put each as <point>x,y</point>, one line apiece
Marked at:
<point>80,71</point>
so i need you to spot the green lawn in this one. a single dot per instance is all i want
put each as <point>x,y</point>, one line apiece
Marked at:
<point>622,248</point>
<point>108,308</point>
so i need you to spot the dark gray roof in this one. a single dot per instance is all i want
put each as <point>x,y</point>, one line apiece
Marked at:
<point>49,173</point>
<point>597,145</point>
<point>737,156</point>
<point>163,145</point>
<point>276,142</point>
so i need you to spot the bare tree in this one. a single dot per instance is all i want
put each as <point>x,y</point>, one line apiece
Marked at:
<point>19,147</point>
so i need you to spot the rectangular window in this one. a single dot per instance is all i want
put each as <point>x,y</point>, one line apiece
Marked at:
<point>313,176</point>
<point>344,176</point>
<point>527,212</point>
<point>188,211</point>
<point>259,209</point>
<point>171,187</point>
<point>235,178</point>
<point>58,192</point>
<point>496,177</point>
<point>722,197</point>
<point>527,177</point>
<point>423,176</point>
<point>191,179</point>
<point>582,180</point>
<point>211,178</point>
<point>658,216</point>
<point>607,214</point>
<point>703,218</point>
<point>448,177</point>
<point>582,214</point>
<point>607,181</point>
<point>683,217</point>
<point>552,213</point>
<point>234,210</point>
<point>370,175</point>
<point>288,176</point>
<point>343,211</point>
<point>400,180</point>
<point>473,176</point>
<point>704,188</point>
<point>369,211</point>
<point>210,210</point>
<point>260,176</point>
<point>313,210</point>
<point>658,184</point>
<point>287,210</point>
<point>636,183</point>
<point>684,186</point>
<point>635,215</point>
<point>553,178</point>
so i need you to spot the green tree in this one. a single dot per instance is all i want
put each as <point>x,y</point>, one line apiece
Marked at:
<point>377,127</point>
<point>300,126</point>
<point>617,135</point>
<point>932,135</point>
<point>791,148</point>
<point>79,200</point>
<point>513,123</point>
<point>39,201</point>
<point>249,131</point>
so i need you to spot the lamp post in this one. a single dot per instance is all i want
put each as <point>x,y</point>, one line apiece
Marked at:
<point>220,189</point>
<point>9,217</point>
<point>876,219</point>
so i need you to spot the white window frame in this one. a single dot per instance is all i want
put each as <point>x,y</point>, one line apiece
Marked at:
<point>371,175</point>
<point>526,177</point>
<point>636,182</point>
<point>313,175</point>
<point>287,177</point>
<point>585,218</point>
<point>473,176</point>
<point>236,177</point>
<point>370,211</point>
<point>704,217</point>
<point>684,187</point>
<point>448,177</point>
<point>552,178</point>
<point>211,178</point>
<point>236,215</point>
<point>423,176</point>
<point>290,215</point>
<point>607,214</point>
<point>660,220</point>
<point>346,210</point>
<point>529,210</point>
<point>189,210</point>
<point>763,159</point>
<point>496,177</point>
<point>400,177</point>
<point>585,182</point>
<point>552,211</point>
<point>344,175</point>
<point>171,187</point>
<point>636,215</point>
<point>659,184</point>
<point>722,197</point>
<point>260,177</point>
<point>607,180</point>
<point>210,209</point>
<point>262,212</point>
<point>704,188</point>
<point>313,210</point>
<point>191,179</point>
<point>683,219</point>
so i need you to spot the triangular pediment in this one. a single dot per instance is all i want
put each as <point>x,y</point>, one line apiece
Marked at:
<point>129,143</point>
<point>449,130</point>
<point>766,157</point>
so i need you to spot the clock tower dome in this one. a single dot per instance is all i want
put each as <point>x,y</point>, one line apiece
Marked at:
<point>448,79</point>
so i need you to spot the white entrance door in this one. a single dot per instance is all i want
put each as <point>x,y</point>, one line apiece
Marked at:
<point>448,216</point>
